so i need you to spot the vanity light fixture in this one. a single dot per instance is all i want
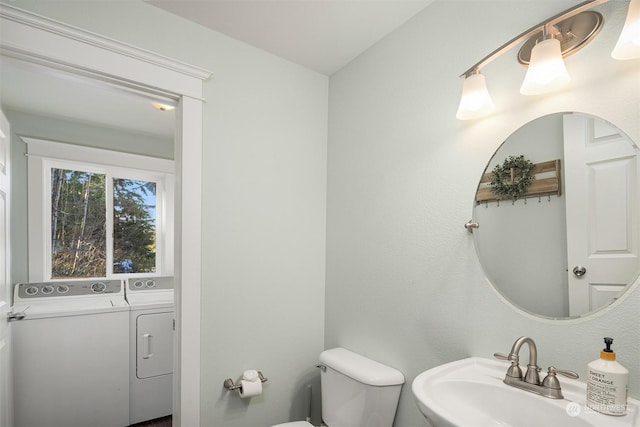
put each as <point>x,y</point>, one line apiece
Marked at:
<point>475,101</point>
<point>543,48</point>
<point>546,72</point>
<point>628,46</point>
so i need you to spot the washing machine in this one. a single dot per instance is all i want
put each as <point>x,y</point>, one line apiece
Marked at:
<point>71,354</point>
<point>151,332</point>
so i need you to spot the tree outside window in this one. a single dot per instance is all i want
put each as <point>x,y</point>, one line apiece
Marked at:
<point>79,224</point>
<point>134,226</point>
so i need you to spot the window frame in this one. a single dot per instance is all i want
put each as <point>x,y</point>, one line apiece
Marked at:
<point>43,156</point>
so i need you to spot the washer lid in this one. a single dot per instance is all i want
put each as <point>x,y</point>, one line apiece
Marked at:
<point>70,307</point>
<point>360,368</point>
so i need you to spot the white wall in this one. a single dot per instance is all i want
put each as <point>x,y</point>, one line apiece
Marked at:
<point>264,198</point>
<point>404,285</point>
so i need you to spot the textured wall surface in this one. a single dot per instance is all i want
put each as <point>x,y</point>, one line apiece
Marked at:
<point>404,284</point>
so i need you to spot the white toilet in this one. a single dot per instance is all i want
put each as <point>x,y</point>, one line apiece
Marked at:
<point>356,391</point>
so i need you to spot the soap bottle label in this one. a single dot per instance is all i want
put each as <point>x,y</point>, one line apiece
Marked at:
<point>606,393</point>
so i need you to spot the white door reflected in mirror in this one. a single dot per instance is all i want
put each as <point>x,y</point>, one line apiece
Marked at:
<point>529,247</point>
<point>602,211</point>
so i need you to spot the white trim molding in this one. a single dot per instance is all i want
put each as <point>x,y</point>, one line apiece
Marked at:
<point>38,39</point>
<point>80,153</point>
<point>69,31</point>
<point>82,48</point>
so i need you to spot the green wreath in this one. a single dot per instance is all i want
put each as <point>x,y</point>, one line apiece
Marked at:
<point>504,185</point>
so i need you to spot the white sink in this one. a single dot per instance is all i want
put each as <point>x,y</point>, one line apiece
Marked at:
<point>470,392</point>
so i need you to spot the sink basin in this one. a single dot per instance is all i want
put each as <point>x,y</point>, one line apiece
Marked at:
<point>470,392</point>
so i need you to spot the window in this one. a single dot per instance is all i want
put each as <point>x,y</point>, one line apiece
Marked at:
<point>91,218</point>
<point>134,226</point>
<point>79,225</point>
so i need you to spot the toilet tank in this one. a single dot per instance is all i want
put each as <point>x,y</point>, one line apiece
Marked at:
<point>357,391</point>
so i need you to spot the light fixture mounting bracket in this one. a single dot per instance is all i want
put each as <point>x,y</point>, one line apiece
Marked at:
<point>573,33</point>
<point>550,23</point>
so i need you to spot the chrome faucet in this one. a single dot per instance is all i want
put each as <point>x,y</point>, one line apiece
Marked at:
<point>549,387</point>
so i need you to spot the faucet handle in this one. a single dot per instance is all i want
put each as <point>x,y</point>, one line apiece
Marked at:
<point>568,374</point>
<point>511,357</point>
<point>514,370</point>
<point>551,380</point>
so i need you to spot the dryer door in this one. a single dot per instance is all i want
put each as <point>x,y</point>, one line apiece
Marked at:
<point>154,344</point>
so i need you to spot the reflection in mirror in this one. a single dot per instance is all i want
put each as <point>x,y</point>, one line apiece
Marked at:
<point>569,252</point>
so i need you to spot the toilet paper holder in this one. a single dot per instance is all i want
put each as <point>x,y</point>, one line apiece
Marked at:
<point>229,385</point>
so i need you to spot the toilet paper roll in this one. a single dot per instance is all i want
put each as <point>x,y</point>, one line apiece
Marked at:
<point>250,388</point>
<point>250,375</point>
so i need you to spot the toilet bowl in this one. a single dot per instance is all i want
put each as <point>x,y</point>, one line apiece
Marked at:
<point>356,391</point>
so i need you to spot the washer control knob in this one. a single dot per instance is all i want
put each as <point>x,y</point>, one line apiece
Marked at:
<point>31,290</point>
<point>138,284</point>
<point>62,289</point>
<point>150,284</point>
<point>98,287</point>
<point>47,289</point>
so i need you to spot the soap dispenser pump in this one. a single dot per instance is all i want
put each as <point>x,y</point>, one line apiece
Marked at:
<point>607,383</point>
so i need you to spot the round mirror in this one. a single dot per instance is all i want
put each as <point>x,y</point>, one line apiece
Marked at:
<point>559,226</point>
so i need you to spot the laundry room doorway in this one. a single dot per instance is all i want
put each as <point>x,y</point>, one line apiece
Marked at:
<point>103,62</point>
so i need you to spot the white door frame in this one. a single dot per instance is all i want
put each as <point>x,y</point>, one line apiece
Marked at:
<point>38,39</point>
<point>6,373</point>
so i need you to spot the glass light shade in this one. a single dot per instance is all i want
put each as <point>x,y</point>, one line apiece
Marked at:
<point>546,72</point>
<point>628,46</point>
<point>475,101</point>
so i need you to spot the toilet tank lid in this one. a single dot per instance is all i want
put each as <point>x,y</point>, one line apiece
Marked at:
<point>361,368</point>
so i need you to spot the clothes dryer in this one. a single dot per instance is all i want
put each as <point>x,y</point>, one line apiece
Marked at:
<point>70,354</point>
<point>151,332</point>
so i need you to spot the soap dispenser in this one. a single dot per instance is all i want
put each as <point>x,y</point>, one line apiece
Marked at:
<point>607,383</point>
